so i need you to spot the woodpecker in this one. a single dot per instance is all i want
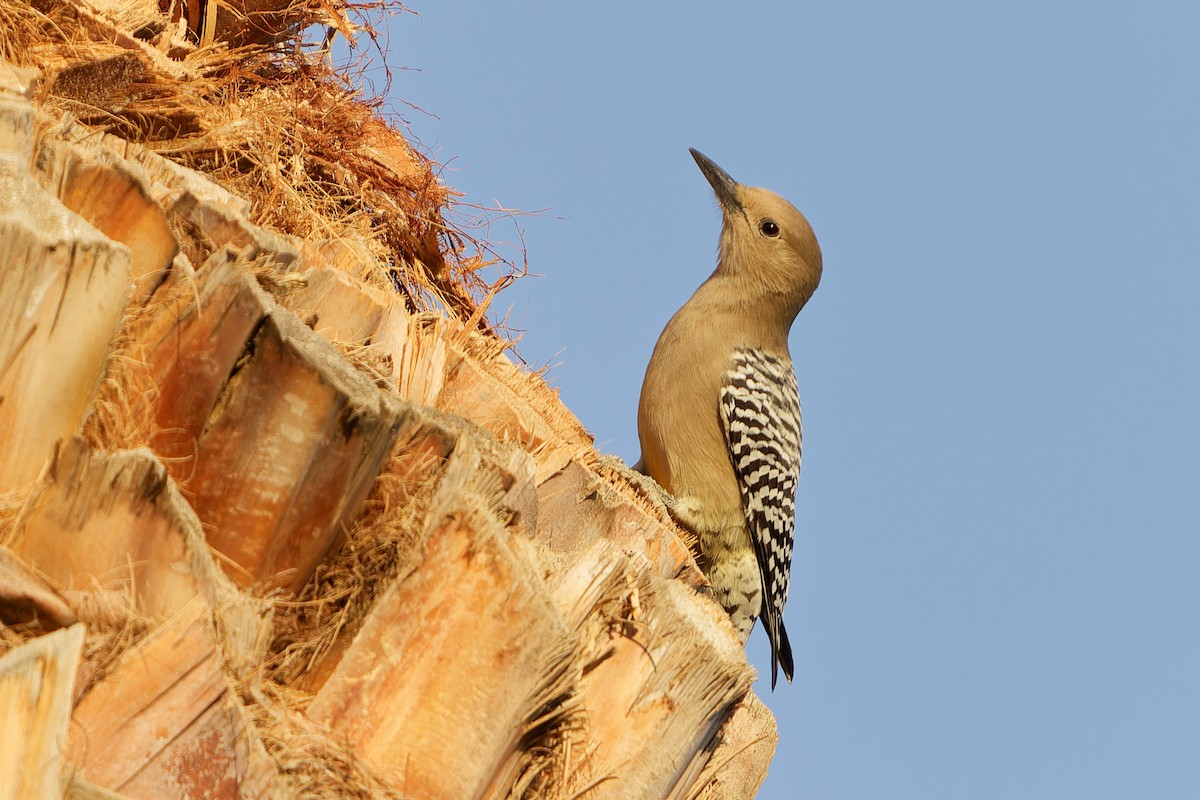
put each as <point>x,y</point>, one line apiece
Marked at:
<point>719,415</point>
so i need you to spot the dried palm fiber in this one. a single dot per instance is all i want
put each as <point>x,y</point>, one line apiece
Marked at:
<point>234,91</point>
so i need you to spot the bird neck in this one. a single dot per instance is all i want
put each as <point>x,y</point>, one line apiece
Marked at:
<point>765,310</point>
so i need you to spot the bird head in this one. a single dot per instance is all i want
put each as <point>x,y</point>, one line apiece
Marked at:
<point>765,240</point>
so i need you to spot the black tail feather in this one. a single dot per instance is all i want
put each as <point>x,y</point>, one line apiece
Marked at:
<point>781,648</point>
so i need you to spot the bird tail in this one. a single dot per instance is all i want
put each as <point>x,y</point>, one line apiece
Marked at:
<point>781,648</point>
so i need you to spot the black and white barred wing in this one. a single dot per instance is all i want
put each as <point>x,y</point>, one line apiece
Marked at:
<point>760,411</point>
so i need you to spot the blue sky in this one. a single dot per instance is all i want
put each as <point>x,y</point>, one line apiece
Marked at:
<point>995,587</point>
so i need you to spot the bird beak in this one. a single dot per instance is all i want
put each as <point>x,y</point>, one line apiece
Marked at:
<point>724,186</point>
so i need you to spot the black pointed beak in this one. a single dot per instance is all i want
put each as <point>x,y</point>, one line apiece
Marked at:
<point>724,186</point>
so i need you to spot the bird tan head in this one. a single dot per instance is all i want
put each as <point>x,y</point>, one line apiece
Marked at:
<point>765,240</point>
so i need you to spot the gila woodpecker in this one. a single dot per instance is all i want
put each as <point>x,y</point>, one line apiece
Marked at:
<point>719,417</point>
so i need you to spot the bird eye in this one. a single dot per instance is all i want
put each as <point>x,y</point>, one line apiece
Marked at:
<point>769,228</point>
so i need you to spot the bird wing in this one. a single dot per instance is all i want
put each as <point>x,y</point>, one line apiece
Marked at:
<point>760,413</point>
